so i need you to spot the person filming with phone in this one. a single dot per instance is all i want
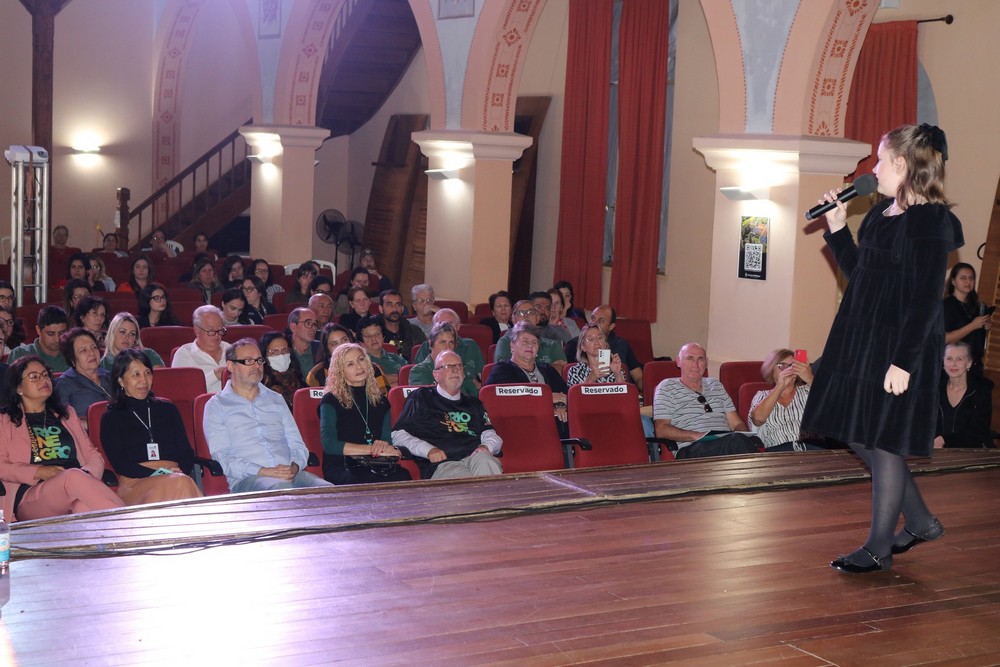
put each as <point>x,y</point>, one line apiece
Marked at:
<point>776,414</point>
<point>966,318</point>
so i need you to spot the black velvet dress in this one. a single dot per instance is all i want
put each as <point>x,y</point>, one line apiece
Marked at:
<point>890,314</point>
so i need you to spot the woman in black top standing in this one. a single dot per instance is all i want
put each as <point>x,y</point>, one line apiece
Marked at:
<point>877,385</point>
<point>965,316</point>
<point>354,422</point>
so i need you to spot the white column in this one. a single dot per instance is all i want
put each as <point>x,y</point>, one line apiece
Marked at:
<point>469,210</point>
<point>795,305</point>
<point>281,199</point>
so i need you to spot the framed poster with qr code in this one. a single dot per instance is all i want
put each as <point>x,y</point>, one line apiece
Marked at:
<point>754,231</point>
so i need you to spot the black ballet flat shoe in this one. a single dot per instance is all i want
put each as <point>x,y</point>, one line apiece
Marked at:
<point>878,564</point>
<point>933,532</point>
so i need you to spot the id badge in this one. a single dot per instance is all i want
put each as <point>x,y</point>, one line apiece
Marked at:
<point>153,451</point>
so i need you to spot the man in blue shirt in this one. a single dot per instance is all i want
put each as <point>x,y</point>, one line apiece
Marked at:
<point>251,432</point>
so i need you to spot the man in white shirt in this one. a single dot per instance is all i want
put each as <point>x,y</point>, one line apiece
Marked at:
<point>208,351</point>
<point>251,432</point>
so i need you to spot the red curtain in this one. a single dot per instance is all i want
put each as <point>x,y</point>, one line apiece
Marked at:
<point>580,238</point>
<point>642,100</point>
<point>884,88</point>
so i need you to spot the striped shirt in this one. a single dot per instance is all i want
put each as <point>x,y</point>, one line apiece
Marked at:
<point>674,401</point>
<point>784,423</point>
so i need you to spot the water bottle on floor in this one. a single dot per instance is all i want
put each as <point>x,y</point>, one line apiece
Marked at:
<point>4,562</point>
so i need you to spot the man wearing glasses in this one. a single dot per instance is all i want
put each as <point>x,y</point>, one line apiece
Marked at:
<point>302,323</point>
<point>251,432</point>
<point>448,431</point>
<point>697,413</point>
<point>549,351</point>
<point>422,298</point>
<point>207,352</point>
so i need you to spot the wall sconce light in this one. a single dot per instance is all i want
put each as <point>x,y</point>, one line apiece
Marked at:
<point>86,150</point>
<point>442,174</point>
<point>263,159</point>
<point>738,193</point>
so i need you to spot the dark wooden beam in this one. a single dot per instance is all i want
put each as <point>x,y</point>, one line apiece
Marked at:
<point>43,23</point>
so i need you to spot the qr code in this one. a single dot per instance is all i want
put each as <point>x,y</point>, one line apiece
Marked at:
<point>753,257</point>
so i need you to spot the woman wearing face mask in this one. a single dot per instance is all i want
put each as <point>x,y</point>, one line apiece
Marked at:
<point>144,437</point>
<point>281,368</point>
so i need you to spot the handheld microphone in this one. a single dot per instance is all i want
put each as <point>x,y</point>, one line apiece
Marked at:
<point>865,185</point>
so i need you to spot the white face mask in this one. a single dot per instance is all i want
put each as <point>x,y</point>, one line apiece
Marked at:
<point>280,362</point>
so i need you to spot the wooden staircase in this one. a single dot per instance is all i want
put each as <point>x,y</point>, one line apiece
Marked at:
<point>204,197</point>
<point>370,50</point>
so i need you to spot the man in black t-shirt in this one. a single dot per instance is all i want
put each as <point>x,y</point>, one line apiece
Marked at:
<point>449,432</point>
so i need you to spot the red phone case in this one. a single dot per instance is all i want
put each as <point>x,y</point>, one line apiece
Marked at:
<point>801,355</point>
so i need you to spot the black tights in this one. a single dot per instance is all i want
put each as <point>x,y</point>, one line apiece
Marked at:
<point>893,491</point>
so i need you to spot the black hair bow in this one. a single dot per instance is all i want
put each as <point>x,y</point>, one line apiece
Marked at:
<point>937,139</point>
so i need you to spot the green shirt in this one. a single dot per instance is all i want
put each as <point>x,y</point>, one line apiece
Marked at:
<point>155,360</point>
<point>57,363</point>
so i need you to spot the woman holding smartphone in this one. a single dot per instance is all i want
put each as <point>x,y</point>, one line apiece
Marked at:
<point>776,414</point>
<point>965,316</point>
<point>877,385</point>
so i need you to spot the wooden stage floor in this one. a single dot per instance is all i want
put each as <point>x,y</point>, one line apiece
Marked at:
<point>712,562</point>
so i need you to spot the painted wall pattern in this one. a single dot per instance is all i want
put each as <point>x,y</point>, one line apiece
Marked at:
<point>512,39</point>
<point>828,98</point>
<point>313,45</point>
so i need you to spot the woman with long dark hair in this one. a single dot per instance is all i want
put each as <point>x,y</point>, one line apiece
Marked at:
<point>154,307</point>
<point>965,317</point>
<point>48,465</point>
<point>877,385</point>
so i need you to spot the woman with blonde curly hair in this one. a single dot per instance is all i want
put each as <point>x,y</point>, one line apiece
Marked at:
<point>354,423</point>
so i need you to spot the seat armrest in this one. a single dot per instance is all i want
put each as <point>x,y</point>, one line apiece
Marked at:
<point>109,478</point>
<point>569,453</point>
<point>213,466</point>
<point>312,460</point>
<point>655,446</point>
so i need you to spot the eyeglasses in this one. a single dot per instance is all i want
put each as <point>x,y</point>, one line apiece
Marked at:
<point>423,301</point>
<point>704,402</point>
<point>278,352</point>
<point>256,361</point>
<point>37,376</point>
<point>214,332</point>
<point>6,298</point>
<point>782,365</point>
<point>158,297</point>
<point>525,313</point>
<point>262,272</point>
<point>310,324</point>
<point>449,367</point>
<point>249,288</point>
<point>5,322</point>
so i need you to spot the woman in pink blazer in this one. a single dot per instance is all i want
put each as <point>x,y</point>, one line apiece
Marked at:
<point>48,465</point>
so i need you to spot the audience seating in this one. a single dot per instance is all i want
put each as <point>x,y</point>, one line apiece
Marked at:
<point>487,369</point>
<point>491,352</point>
<point>397,398</point>
<point>608,416</point>
<point>480,311</point>
<point>165,339</point>
<point>639,335</point>
<point>305,409</point>
<point>184,311</point>
<point>28,314</point>
<point>747,391</point>
<point>169,276</point>
<point>213,480</point>
<point>415,349</point>
<point>404,374</point>
<point>522,416</point>
<point>94,414</point>
<point>655,372</point>
<point>180,386</point>
<point>479,333</point>
<point>278,301</point>
<point>460,307</point>
<point>277,322</point>
<point>177,293</point>
<point>238,331</point>
<point>733,374</point>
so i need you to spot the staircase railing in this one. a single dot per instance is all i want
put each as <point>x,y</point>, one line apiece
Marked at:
<point>211,177</point>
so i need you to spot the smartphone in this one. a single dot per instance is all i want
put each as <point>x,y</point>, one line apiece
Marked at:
<point>802,355</point>
<point>604,357</point>
<point>986,310</point>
